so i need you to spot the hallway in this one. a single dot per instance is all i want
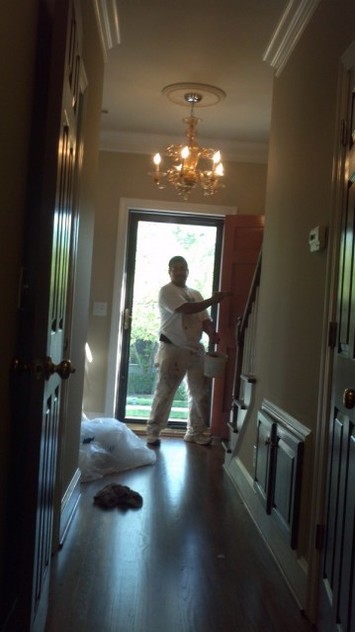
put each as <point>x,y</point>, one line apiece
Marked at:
<point>190,560</point>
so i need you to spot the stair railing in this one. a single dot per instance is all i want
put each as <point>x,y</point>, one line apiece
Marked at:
<point>245,352</point>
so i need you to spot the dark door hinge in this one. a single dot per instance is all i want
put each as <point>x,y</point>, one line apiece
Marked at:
<point>344,134</point>
<point>23,288</point>
<point>320,536</point>
<point>332,334</point>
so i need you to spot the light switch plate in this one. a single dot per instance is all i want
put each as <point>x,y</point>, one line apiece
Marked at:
<point>100,308</point>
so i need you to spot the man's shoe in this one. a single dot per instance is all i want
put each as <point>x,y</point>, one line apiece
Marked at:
<point>153,443</point>
<point>200,439</point>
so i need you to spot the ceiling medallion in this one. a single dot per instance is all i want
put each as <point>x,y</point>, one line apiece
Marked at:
<point>191,165</point>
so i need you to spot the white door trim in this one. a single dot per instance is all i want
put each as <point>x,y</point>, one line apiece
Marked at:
<point>118,285</point>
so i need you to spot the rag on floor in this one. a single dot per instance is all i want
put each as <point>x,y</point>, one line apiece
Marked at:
<point>115,495</point>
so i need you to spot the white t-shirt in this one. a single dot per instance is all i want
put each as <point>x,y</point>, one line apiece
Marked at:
<point>184,330</point>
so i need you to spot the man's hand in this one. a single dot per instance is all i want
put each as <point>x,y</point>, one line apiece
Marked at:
<point>199,306</point>
<point>217,297</point>
<point>213,335</point>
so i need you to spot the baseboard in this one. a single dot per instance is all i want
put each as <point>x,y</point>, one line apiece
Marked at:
<point>293,568</point>
<point>68,506</point>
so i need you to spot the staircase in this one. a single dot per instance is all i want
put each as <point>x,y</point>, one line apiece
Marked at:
<point>244,377</point>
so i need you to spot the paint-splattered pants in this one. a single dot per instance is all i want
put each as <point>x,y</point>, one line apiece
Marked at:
<point>174,363</point>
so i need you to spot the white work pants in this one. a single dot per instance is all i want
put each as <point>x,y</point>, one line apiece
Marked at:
<point>173,364</point>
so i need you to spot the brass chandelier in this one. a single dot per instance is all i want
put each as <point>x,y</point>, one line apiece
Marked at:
<point>191,165</point>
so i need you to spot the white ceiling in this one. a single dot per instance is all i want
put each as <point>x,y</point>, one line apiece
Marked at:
<point>216,42</point>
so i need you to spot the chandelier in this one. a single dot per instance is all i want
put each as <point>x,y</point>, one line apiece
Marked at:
<point>191,165</point>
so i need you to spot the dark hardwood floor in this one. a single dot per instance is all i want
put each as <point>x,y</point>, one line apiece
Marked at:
<point>190,560</point>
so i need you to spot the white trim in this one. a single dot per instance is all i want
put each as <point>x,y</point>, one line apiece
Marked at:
<point>118,285</point>
<point>107,21</point>
<point>286,420</point>
<point>70,490</point>
<point>291,26</point>
<point>69,504</point>
<point>83,78</point>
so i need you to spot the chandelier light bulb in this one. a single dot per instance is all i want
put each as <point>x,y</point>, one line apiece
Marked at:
<point>185,152</point>
<point>158,176</point>
<point>216,157</point>
<point>157,159</point>
<point>219,171</point>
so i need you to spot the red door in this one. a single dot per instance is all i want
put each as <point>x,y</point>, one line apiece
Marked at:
<point>243,236</point>
<point>42,363</point>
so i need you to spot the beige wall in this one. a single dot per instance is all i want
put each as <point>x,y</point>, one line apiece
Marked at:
<point>294,282</point>
<point>125,176</point>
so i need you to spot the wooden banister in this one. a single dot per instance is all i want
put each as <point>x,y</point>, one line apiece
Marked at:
<point>245,342</point>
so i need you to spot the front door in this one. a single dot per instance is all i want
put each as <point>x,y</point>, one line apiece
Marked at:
<point>243,236</point>
<point>153,238</point>
<point>42,364</point>
<point>337,590</point>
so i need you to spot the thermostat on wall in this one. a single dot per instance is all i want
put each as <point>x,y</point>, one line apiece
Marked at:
<point>317,238</point>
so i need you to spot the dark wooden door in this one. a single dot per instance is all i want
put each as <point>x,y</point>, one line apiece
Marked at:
<point>41,365</point>
<point>243,235</point>
<point>337,590</point>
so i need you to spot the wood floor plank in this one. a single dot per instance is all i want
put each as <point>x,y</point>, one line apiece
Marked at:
<point>190,560</point>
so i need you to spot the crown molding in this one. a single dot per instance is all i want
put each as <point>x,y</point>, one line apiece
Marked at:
<point>107,21</point>
<point>131,143</point>
<point>292,24</point>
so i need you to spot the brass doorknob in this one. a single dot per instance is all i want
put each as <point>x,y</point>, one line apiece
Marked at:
<point>64,368</point>
<point>349,398</point>
<point>46,368</point>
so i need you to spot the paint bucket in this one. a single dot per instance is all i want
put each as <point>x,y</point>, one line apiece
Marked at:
<point>214,364</point>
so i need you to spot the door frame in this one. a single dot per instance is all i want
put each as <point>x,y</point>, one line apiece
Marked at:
<point>127,204</point>
<point>330,315</point>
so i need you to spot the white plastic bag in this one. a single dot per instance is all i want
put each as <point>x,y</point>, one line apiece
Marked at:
<point>108,446</point>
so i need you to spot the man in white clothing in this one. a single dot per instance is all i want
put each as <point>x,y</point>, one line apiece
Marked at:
<point>183,319</point>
